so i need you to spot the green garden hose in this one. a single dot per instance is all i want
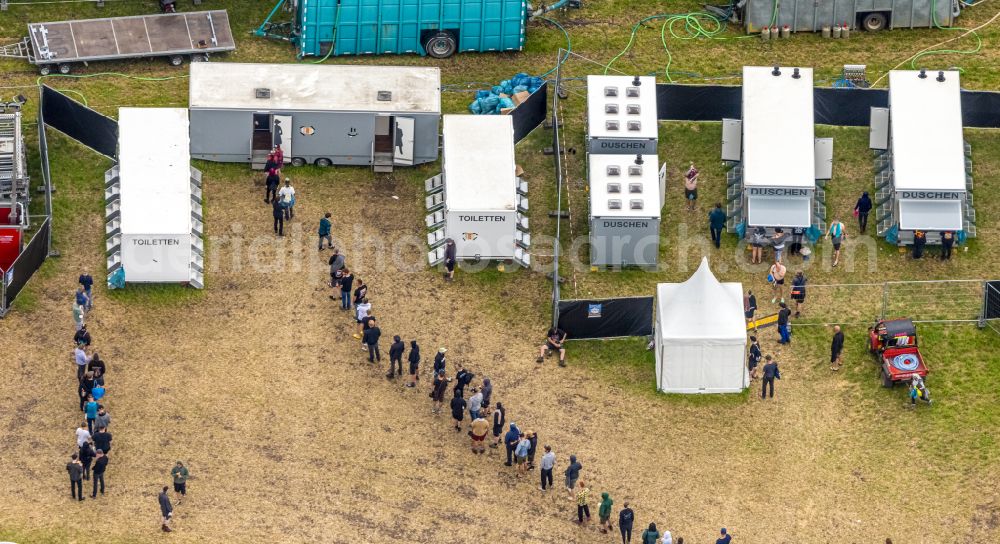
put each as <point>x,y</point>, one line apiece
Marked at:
<point>569,45</point>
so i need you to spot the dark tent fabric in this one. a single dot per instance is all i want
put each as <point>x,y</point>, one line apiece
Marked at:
<point>530,113</point>
<point>79,122</point>
<point>698,102</point>
<point>606,318</point>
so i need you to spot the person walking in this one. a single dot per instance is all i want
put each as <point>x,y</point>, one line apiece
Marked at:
<point>100,466</point>
<point>837,233</point>
<point>521,454</point>
<point>82,360</point>
<point>325,229</point>
<point>572,474</point>
<point>87,282</point>
<point>836,348</point>
<point>776,275</point>
<point>278,213</point>
<point>287,197</point>
<point>166,510</point>
<point>270,163</point>
<point>547,464</point>
<point>582,504</point>
<point>478,431</point>
<point>691,188</point>
<point>370,339</point>
<point>947,241</point>
<point>458,410</point>
<point>87,455</point>
<point>180,476</point>
<point>511,440</point>
<point>919,241</point>
<point>103,418</point>
<point>439,386</point>
<point>861,210</point>
<point>439,360</point>
<point>650,535</point>
<point>82,435</point>
<point>396,350</point>
<point>499,418</point>
<point>271,185</point>
<point>726,538</point>
<point>82,300</point>
<point>604,512</point>
<point>771,373</point>
<point>784,329</point>
<point>753,359</point>
<point>750,308</point>
<point>757,241</point>
<point>716,223</point>
<point>75,470</point>
<point>346,281</point>
<point>475,403</point>
<point>414,360</point>
<point>799,292</point>
<point>778,241</point>
<point>625,520</point>
<point>360,292</point>
<point>336,262</point>
<point>450,259</point>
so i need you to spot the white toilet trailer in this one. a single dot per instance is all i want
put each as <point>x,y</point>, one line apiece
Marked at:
<point>700,335</point>
<point>777,158</point>
<point>478,199</point>
<point>382,116</point>
<point>154,218</point>
<point>923,170</point>
<point>626,196</point>
<point>621,115</point>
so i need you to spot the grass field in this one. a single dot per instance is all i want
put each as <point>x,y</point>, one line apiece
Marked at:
<point>291,437</point>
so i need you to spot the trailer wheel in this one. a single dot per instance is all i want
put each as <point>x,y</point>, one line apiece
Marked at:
<point>45,69</point>
<point>323,162</point>
<point>65,68</point>
<point>873,22</point>
<point>298,161</point>
<point>176,60</point>
<point>441,45</point>
<point>199,57</point>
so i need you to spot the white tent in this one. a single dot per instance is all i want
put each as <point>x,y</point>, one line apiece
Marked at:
<point>700,335</point>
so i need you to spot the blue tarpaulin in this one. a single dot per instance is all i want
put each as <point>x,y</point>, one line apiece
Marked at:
<point>490,102</point>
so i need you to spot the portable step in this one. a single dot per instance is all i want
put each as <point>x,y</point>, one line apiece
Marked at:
<point>111,175</point>
<point>196,211</point>
<point>198,245</point>
<point>522,222</point>
<point>968,148</point>
<point>436,238</point>
<point>196,193</point>
<point>434,201</point>
<point>522,186</point>
<point>258,158</point>
<point>114,261</point>
<point>968,183</point>
<point>112,192</point>
<point>113,244</point>
<point>382,168</point>
<point>197,280</point>
<point>968,165</point>
<point>434,220</point>
<point>197,263</point>
<point>197,228</point>
<point>196,177</point>
<point>435,256</point>
<point>522,257</point>
<point>434,184</point>
<point>113,227</point>
<point>112,210</point>
<point>522,204</point>
<point>522,239</point>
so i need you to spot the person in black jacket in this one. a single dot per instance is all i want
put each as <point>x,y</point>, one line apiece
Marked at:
<point>861,210</point>
<point>439,360</point>
<point>462,379</point>
<point>87,455</point>
<point>458,410</point>
<point>450,252</point>
<point>278,213</point>
<point>272,182</point>
<point>919,240</point>
<point>836,348</point>
<point>75,470</point>
<point>438,387</point>
<point>754,358</point>
<point>102,440</point>
<point>100,465</point>
<point>947,240</point>
<point>625,519</point>
<point>370,338</point>
<point>82,336</point>
<point>771,373</point>
<point>414,359</point>
<point>396,356</point>
<point>499,418</point>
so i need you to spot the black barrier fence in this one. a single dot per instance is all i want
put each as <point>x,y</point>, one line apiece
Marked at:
<point>79,122</point>
<point>30,259</point>
<point>530,113</point>
<point>991,300</point>
<point>848,107</point>
<point>606,318</point>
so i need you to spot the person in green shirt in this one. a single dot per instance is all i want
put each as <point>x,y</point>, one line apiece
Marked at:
<point>180,475</point>
<point>604,512</point>
<point>650,535</point>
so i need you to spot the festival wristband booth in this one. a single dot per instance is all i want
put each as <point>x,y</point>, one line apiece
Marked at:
<point>478,200</point>
<point>626,187</point>
<point>778,165</point>
<point>154,217</point>
<point>923,165</point>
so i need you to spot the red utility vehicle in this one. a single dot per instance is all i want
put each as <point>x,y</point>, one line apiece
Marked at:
<point>893,342</point>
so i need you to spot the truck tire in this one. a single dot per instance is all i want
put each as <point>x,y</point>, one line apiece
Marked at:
<point>176,60</point>
<point>324,162</point>
<point>873,22</point>
<point>887,381</point>
<point>298,161</point>
<point>65,68</point>
<point>441,45</point>
<point>45,69</point>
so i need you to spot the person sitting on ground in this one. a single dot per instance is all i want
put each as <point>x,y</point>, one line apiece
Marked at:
<point>554,342</point>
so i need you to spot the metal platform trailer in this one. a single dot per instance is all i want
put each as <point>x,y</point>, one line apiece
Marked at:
<point>626,196</point>
<point>15,193</point>
<point>870,15</point>
<point>153,201</point>
<point>62,44</point>
<point>923,166</point>
<point>379,116</point>
<point>478,200</point>
<point>778,165</point>
<point>438,28</point>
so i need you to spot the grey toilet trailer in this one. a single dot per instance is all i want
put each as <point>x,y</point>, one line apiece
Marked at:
<point>778,165</point>
<point>923,167</point>
<point>380,116</point>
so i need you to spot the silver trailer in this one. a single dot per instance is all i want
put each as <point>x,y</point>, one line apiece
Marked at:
<point>870,15</point>
<point>778,163</point>
<point>60,45</point>
<point>380,116</point>
<point>923,167</point>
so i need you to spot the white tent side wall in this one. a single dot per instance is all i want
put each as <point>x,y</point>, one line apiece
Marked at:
<point>702,366</point>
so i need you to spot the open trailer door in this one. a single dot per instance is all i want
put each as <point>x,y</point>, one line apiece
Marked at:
<point>402,151</point>
<point>281,134</point>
